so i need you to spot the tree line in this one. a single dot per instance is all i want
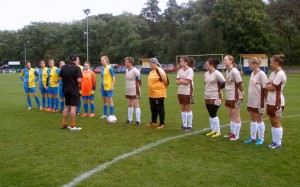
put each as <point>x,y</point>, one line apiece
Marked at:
<point>197,27</point>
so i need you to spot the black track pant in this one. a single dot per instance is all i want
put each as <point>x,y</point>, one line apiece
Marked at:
<point>212,110</point>
<point>157,107</point>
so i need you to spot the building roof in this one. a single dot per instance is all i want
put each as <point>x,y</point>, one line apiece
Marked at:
<point>247,56</point>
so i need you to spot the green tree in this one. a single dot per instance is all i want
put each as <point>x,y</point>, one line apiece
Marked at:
<point>243,24</point>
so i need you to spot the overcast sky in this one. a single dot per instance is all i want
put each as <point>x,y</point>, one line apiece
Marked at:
<point>15,14</point>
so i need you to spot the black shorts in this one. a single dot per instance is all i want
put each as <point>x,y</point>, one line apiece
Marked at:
<point>72,99</point>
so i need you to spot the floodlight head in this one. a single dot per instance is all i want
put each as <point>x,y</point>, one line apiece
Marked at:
<point>87,11</point>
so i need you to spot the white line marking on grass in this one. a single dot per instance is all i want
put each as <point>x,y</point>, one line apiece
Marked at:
<point>103,166</point>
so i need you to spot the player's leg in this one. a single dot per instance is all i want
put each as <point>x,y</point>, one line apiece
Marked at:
<point>235,113</point>
<point>189,113</point>
<point>104,100</point>
<point>85,106</point>
<point>111,102</point>
<point>154,114</point>
<point>253,126</point>
<point>37,100</point>
<point>135,103</point>
<point>129,110</point>
<point>260,129</point>
<point>92,105</point>
<point>160,108</point>
<point>27,92</point>
<point>215,120</point>
<point>73,103</point>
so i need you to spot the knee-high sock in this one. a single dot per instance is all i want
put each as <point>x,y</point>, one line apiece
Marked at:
<point>56,103</point>
<point>232,127</point>
<point>29,101</point>
<point>190,119</point>
<point>105,110</point>
<point>49,102</point>
<point>62,105</point>
<point>43,102</point>
<point>216,124</point>
<point>253,129</point>
<point>211,125</point>
<point>261,130</point>
<point>129,113</point>
<point>237,128</point>
<point>138,114</point>
<point>184,119</point>
<point>52,103</point>
<point>86,108</point>
<point>92,105</point>
<point>37,101</point>
<point>111,110</point>
<point>278,132</point>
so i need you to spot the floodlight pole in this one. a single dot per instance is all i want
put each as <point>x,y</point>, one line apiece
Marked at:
<point>87,12</point>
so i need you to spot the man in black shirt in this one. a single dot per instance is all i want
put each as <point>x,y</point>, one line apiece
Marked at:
<point>71,75</point>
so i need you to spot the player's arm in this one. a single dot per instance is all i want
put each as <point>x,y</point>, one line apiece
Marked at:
<point>36,76</point>
<point>21,76</point>
<point>138,78</point>
<point>111,71</point>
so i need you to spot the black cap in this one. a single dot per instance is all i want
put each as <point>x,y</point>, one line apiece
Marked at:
<point>73,57</point>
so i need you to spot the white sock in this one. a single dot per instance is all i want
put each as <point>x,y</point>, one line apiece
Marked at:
<point>261,130</point>
<point>273,134</point>
<point>138,114</point>
<point>237,129</point>
<point>190,119</point>
<point>211,124</point>
<point>232,125</point>
<point>216,124</point>
<point>130,112</point>
<point>253,129</point>
<point>278,135</point>
<point>184,118</point>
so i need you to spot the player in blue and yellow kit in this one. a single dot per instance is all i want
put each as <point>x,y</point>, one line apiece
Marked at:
<point>52,82</point>
<point>43,75</point>
<point>60,89</point>
<point>107,86</point>
<point>29,76</point>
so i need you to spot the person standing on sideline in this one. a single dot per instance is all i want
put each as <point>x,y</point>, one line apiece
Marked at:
<point>234,95</point>
<point>43,75</point>
<point>133,84</point>
<point>52,83</point>
<point>256,101</point>
<point>275,99</point>
<point>107,86</point>
<point>71,76</point>
<point>185,92</point>
<point>60,90</point>
<point>29,76</point>
<point>214,81</point>
<point>157,88</point>
<point>77,62</point>
<point>88,86</point>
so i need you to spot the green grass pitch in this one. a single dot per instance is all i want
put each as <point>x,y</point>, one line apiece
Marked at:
<point>35,152</point>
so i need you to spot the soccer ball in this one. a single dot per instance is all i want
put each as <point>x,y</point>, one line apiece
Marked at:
<point>111,119</point>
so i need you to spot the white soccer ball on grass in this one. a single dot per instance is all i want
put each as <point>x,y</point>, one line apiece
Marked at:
<point>112,119</point>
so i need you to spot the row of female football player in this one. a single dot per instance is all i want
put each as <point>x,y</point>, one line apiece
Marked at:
<point>260,89</point>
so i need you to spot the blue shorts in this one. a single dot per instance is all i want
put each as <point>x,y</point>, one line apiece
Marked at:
<point>53,90</point>
<point>29,90</point>
<point>91,98</point>
<point>107,93</point>
<point>43,90</point>
<point>61,93</point>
